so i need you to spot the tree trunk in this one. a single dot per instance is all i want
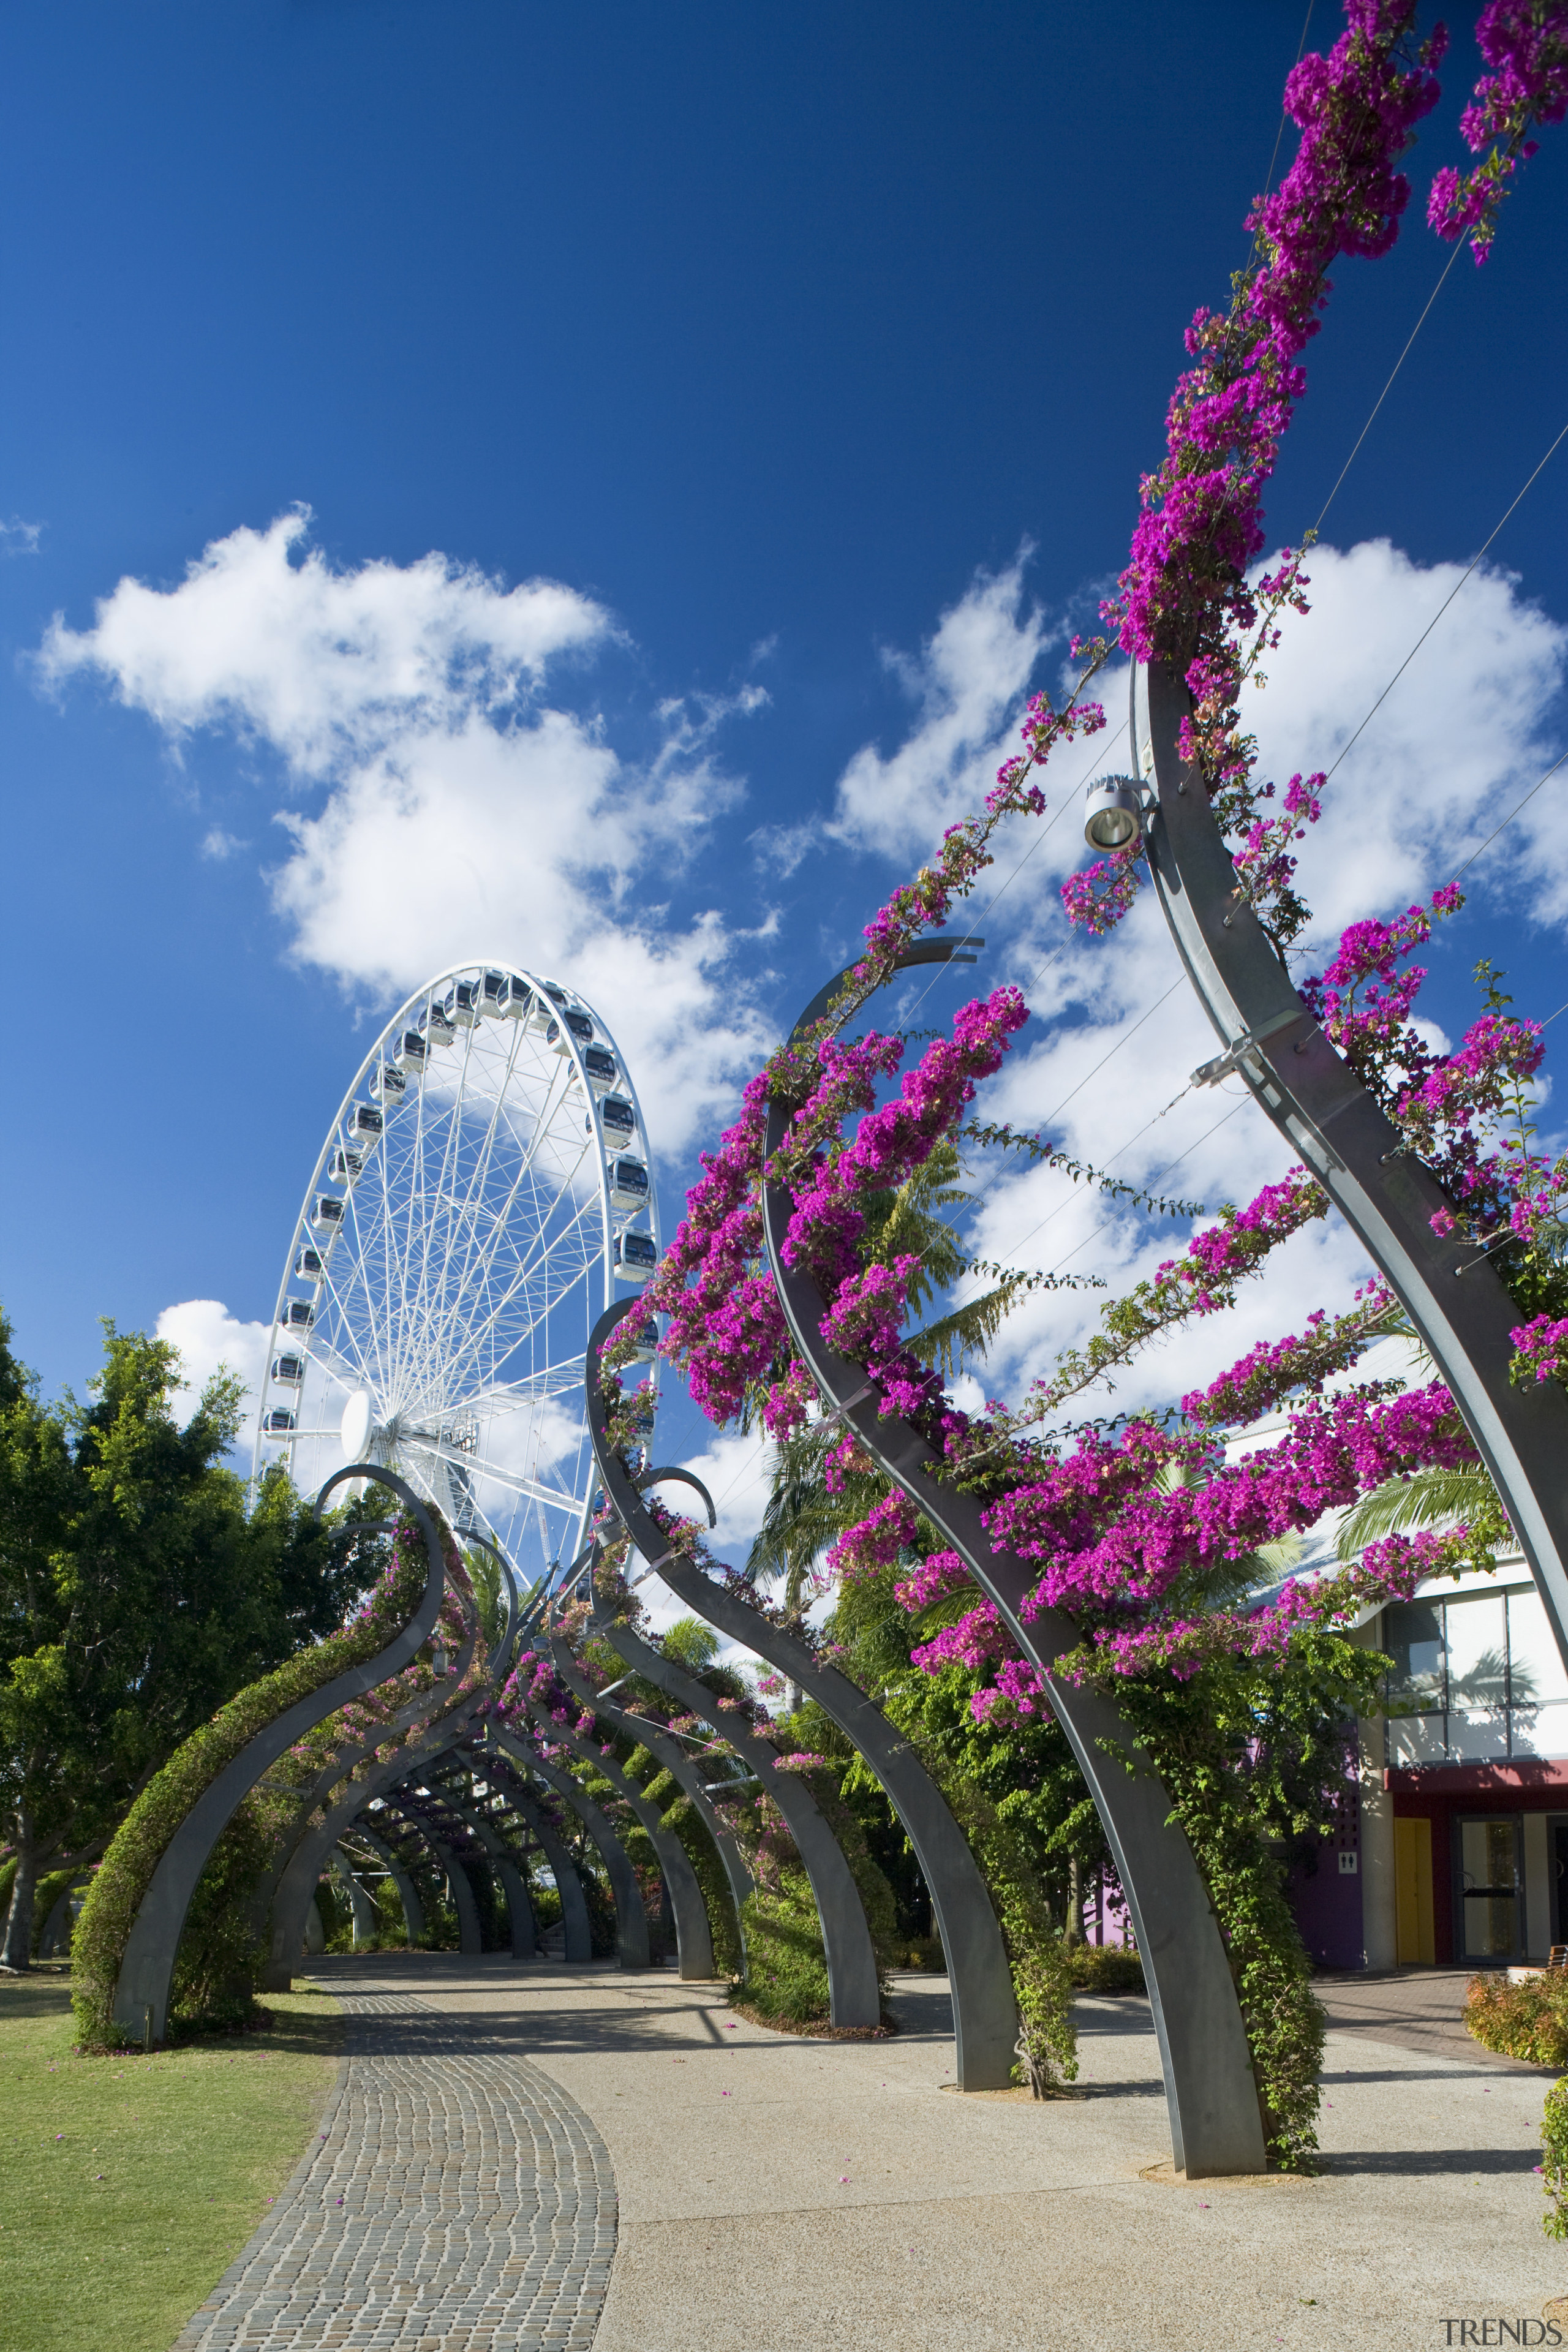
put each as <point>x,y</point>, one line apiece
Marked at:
<point>16,1950</point>
<point>1075,1901</point>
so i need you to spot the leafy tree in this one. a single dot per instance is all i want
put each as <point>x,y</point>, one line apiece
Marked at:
<point>135,1595</point>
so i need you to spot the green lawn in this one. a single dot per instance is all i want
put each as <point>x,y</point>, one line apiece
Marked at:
<point>129,2184</point>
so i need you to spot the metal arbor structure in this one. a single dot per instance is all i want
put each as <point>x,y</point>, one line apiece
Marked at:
<point>1216,2123</point>
<point>482,1189</point>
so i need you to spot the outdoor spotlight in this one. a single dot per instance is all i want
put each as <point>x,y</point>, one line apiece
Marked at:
<point>1113,812</point>
<point>439,1661</point>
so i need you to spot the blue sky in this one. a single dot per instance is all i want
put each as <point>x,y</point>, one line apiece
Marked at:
<point>814,354</point>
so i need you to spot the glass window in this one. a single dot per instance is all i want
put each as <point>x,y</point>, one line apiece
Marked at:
<point>1417,1739</point>
<point>1477,1654</point>
<point>1540,1730</point>
<point>1489,1884</point>
<point>1535,1670</point>
<point>1413,1636</point>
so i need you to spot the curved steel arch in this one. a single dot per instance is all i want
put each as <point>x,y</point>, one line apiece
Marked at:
<point>665,1748</point>
<point>407,1893</point>
<point>1216,2126</point>
<point>693,1936</point>
<point>297,1880</point>
<point>855,1998</point>
<point>1456,1301</point>
<point>985,2009</point>
<point>147,1965</point>
<point>439,1777</point>
<point>362,1907</point>
<point>520,1910</point>
<point>399,1800</point>
<point>283,1895</point>
<point>631,1918</point>
<point>578,1946</point>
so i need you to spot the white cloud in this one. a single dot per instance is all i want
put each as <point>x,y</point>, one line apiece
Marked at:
<point>19,538</point>
<point>321,664</point>
<point>210,1338</point>
<point>219,845</point>
<point>452,809</point>
<point>966,682</point>
<point>1465,731</point>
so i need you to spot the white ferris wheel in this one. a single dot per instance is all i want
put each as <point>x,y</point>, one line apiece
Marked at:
<point>483,1191</point>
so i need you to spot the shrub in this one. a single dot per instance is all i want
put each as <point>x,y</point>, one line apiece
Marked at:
<point>925,1952</point>
<point>46,1895</point>
<point>220,1954</point>
<point>1528,2020</point>
<point>1105,1967</point>
<point>786,1968</point>
<point>683,1820</point>
<point>1554,2143</point>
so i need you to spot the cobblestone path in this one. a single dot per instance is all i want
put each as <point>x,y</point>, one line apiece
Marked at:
<point>458,2202</point>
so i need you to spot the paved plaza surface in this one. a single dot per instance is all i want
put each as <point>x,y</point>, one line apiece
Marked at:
<point>530,2154</point>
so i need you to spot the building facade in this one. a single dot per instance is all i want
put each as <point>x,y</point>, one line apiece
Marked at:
<point>1453,1848</point>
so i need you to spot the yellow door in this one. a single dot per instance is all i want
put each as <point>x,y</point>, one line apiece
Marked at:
<point>1413,1892</point>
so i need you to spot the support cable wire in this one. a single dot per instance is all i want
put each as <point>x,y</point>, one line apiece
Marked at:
<point>1509,819</point>
<point>1443,607</point>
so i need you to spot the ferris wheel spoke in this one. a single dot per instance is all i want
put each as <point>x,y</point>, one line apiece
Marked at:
<point>558,1379</point>
<point>551,1299</point>
<point>526,1174</point>
<point>501,1223</point>
<point>450,1116</point>
<point>475,1332</point>
<point>516,1481</point>
<point>465,1209</point>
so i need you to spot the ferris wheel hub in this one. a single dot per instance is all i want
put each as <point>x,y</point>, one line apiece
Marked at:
<point>355,1429</point>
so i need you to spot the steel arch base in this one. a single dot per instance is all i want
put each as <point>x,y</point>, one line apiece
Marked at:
<point>664,1748</point>
<point>631,1920</point>
<point>693,1936</point>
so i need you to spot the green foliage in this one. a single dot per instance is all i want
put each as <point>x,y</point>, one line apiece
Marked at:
<point>220,1955</point>
<point>135,1596</point>
<point>1250,1750</point>
<point>1105,1967</point>
<point>1528,2020</point>
<point>787,1966</point>
<point>139,1843</point>
<point>1429,1498</point>
<point>484,1572</point>
<point>681,1818</point>
<point>1554,2147</point>
<point>692,1644</point>
<point>46,1895</point>
<point>1037,1958</point>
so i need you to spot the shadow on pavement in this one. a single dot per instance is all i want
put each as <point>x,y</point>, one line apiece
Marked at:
<point>1460,2161</point>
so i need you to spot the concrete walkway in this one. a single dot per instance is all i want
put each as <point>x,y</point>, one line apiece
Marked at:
<point>783,2195</point>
